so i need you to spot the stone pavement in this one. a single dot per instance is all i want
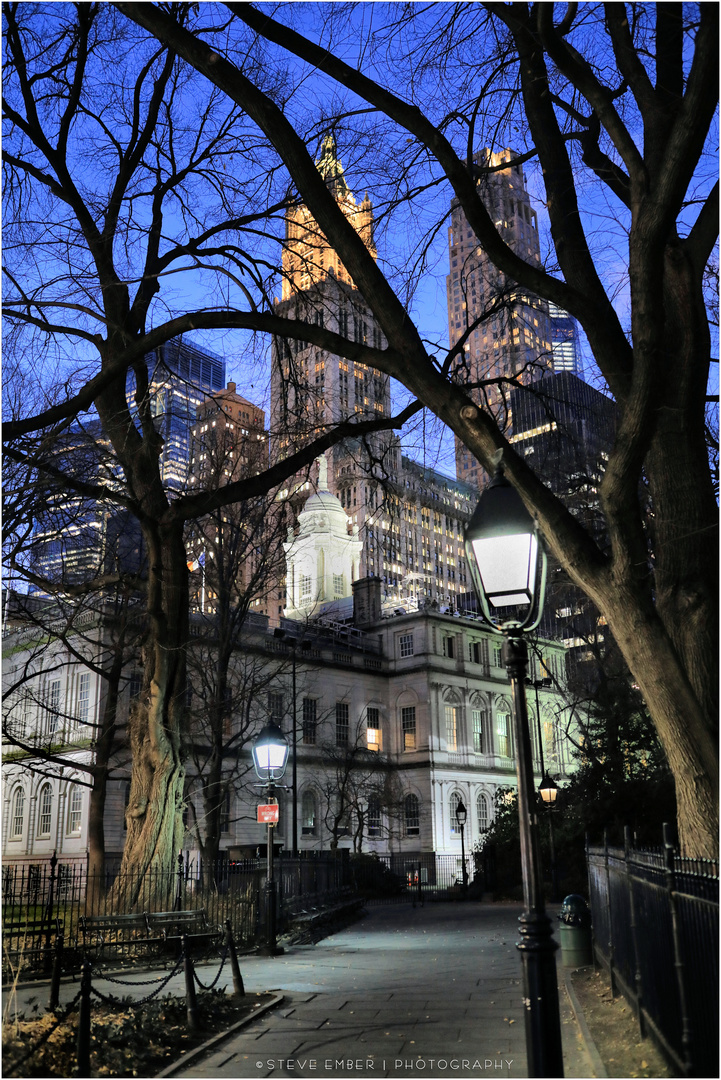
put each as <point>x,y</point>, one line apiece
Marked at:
<point>433,991</point>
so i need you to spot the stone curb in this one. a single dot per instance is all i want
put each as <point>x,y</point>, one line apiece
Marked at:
<point>192,1055</point>
<point>598,1067</point>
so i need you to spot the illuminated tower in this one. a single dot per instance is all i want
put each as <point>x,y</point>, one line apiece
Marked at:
<point>508,331</point>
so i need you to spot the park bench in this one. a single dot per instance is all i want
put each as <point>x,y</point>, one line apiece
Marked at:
<point>310,917</point>
<point>99,931</point>
<point>28,939</point>
<point>173,926</point>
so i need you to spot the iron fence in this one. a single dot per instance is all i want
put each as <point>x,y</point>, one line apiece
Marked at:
<point>43,900</point>
<point>401,877</point>
<point>656,930</point>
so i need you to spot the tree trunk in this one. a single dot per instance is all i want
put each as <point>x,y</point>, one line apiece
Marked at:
<point>96,839</point>
<point>691,750</point>
<point>156,729</point>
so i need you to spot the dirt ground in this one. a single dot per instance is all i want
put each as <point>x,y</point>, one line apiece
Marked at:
<point>614,1029</point>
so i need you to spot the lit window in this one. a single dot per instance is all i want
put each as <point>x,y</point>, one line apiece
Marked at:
<point>451,728</point>
<point>503,741</point>
<point>408,727</point>
<point>478,730</point>
<point>374,739</point>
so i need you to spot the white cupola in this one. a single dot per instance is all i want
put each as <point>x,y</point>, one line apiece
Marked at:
<point>323,558</point>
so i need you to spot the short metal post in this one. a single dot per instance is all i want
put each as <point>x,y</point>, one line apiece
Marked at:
<point>84,1021</point>
<point>238,988</point>
<point>57,969</point>
<point>191,1000</point>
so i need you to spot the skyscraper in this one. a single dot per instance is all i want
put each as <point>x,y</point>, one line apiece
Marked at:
<point>180,377</point>
<point>565,341</point>
<point>75,538</point>
<point>409,518</point>
<point>506,331</point>
<point>565,428</point>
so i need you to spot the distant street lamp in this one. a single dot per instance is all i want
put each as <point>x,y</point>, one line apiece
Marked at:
<point>270,757</point>
<point>461,815</point>
<point>548,789</point>
<point>508,570</point>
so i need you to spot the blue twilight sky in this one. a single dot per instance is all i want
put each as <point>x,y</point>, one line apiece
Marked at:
<point>411,237</point>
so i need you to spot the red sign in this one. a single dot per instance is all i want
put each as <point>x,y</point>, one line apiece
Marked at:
<point>268,813</point>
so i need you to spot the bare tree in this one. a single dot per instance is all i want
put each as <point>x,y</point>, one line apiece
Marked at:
<point>357,786</point>
<point>96,235</point>
<point>619,101</point>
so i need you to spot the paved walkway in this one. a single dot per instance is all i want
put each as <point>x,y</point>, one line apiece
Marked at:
<point>433,991</point>
<point>413,992</point>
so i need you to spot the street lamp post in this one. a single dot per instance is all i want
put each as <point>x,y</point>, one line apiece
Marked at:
<point>461,815</point>
<point>508,569</point>
<point>270,756</point>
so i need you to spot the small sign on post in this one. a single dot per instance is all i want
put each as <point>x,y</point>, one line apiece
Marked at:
<point>268,814</point>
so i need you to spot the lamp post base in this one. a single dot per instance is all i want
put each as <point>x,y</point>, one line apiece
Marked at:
<point>269,950</point>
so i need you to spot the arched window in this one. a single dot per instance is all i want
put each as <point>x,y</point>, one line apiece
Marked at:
<point>45,818</point>
<point>373,816</point>
<point>451,712</point>
<point>17,818</point>
<point>456,798</point>
<point>479,717</point>
<point>412,815</point>
<point>484,817</point>
<point>75,809</point>
<point>308,814</point>
<point>503,730</point>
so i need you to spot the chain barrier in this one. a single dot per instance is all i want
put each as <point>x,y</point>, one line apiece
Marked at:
<point>111,999</point>
<point>140,982</point>
<point>66,1012</point>
<point>212,985</point>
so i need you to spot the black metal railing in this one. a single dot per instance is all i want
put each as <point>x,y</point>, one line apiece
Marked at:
<point>656,930</point>
<point>44,899</point>
<point>400,877</point>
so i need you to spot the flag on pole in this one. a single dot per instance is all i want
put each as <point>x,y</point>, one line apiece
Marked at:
<point>196,563</point>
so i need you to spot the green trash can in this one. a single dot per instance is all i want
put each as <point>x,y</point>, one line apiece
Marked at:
<point>575,918</point>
